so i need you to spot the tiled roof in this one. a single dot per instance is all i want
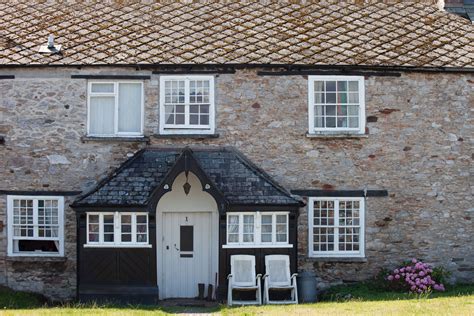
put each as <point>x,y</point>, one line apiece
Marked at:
<point>234,175</point>
<point>396,33</point>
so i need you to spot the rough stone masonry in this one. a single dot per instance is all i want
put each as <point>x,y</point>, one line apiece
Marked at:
<point>418,147</point>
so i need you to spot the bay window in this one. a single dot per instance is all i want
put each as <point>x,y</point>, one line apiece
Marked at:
<point>35,225</point>
<point>336,227</point>
<point>257,229</point>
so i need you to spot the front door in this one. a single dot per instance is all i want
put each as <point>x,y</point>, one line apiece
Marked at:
<point>186,244</point>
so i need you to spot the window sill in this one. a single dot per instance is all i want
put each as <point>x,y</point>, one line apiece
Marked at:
<point>255,246</point>
<point>141,139</point>
<point>117,246</point>
<point>336,135</point>
<point>190,135</point>
<point>339,259</point>
<point>36,258</point>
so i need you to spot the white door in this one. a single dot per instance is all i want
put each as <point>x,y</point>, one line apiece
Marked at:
<point>186,244</point>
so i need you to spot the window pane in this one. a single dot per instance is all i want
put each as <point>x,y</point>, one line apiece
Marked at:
<point>331,86</point>
<point>126,228</point>
<point>108,228</point>
<point>342,86</point>
<point>266,227</point>
<point>141,219</point>
<point>130,100</point>
<point>319,86</point>
<point>142,228</point>
<point>330,122</point>
<point>281,228</point>
<point>233,228</point>
<point>354,97</point>
<point>353,122</point>
<point>353,86</point>
<point>248,228</point>
<point>102,88</point>
<point>101,114</point>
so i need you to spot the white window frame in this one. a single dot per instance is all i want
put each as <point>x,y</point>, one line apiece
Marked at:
<point>11,238</point>
<point>117,243</point>
<point>173,129</point>
<point>336,253</point>
<point>257,243</point>
<point>336,130</point>
<point>115,94</point>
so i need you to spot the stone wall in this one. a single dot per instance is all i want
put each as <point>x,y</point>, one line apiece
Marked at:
<point>419,148</point>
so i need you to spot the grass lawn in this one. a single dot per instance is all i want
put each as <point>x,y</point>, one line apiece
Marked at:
<point>357,299</point>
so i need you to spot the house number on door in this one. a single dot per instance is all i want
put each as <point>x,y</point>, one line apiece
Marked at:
<point>186,219</point>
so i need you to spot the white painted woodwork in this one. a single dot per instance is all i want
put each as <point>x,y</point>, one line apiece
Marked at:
<point>178,277</point>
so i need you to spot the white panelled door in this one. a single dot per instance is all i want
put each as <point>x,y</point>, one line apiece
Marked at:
<point>187,258</point>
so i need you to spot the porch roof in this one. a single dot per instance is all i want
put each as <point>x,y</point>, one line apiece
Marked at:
<point>236,177</point>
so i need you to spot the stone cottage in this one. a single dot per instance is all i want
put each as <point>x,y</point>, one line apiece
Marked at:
<point>142,144</point>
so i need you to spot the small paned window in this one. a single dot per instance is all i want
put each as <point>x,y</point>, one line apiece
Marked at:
<point>187,105</point>
<point>336,227</point>
<point>35,225</point>
<point>336,104</point>
<point>115,109</point>
<point>117,229</point>
<point>255,229</point>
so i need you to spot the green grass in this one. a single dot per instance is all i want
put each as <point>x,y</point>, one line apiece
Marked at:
<point>358,299</point>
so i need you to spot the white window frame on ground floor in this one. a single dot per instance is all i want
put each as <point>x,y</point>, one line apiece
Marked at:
<point>35,224</point>
<point>336,253</point>
<point>117,243</point>
<point>257,243</point>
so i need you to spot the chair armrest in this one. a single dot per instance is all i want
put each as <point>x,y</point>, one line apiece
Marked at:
<point>294,275</point>
<point>265,276</point>
<point>258,276</point>
<point>229,276</point>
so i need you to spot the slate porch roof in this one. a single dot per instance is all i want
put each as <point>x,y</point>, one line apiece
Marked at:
<point>395,33</point>
<point>239,180</point>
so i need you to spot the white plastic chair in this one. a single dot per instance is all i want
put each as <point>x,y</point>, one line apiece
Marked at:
<point>277,277</point>
<point>242,277</point>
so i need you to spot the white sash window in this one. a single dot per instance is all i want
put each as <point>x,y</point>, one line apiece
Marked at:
<point>35,225</point>
<point>336,227</point>
<point>336,104</point>
<point>186,105</point>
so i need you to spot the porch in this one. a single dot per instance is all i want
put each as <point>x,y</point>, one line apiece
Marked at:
<point>169,219</point>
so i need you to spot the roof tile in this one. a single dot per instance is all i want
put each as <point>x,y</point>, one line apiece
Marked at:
<point>310,32</point>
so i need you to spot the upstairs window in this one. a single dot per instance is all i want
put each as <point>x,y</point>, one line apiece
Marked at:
<point>336,104</point>
<point>117,229</point>
<point>257,229</point>
<point>186,105</point>
<point>115,109</point>
<point>35,225</point>
<point>336,227</point>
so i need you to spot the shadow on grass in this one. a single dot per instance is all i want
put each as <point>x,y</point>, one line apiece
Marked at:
<point>369,292</point>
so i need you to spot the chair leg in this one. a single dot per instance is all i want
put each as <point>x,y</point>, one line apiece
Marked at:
<point>229,295</point>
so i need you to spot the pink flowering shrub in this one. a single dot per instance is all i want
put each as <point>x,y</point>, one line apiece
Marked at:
<point>416,277</point>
